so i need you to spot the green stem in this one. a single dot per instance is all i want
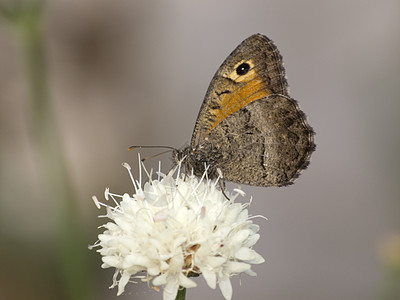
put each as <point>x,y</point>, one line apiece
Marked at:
<point>55,182</point>
<point>181,294</point>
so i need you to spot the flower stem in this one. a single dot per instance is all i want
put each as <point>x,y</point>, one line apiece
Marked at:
<point>27,18</point>
<point>181,294</point>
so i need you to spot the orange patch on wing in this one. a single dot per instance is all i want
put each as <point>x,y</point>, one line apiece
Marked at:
<point>230,103</point>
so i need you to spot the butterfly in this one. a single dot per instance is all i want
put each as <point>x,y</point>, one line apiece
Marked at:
<point>248,127</point>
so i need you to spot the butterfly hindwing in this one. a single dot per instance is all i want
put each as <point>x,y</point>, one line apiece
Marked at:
<point>266,143</point>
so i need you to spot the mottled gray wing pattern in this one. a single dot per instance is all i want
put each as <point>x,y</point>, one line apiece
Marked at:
<point>266,143</point>
<point>248,126</point>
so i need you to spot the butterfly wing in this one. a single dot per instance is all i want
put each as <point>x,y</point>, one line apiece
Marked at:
<point>232,88</point>
<point>248,126</point>
<point>266,143</point>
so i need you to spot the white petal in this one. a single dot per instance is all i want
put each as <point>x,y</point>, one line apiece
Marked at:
<point>163,265</point>
<point>241,236</point>
<point>210,278</point>
<point>179,241</point>
<point>216,262</point>
<point>114,284</point>
<point>104,238</point>
<point>252,240</point>
<point>111,261</point>
<point>258,259</point>
<point>245,253</point>
<point>254,227</point>
<point>176,262</point>
<point>153,270</point>
<point>244,215</point>
<point>226,288</point>
<point>122,282</point>
<point>250,273</point>
<point>124,224</point>
<point>232,213</point>
<point>160,280</point>
<point>171,288</point>
<point>186,282</point>
<point>126,197</point>
<point>135,259</point>
<point>237,267</point>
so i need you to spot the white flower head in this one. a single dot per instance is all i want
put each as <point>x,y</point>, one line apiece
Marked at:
<point>174,228</point>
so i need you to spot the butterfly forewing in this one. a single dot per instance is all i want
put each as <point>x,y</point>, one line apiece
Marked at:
<point>229,91</point>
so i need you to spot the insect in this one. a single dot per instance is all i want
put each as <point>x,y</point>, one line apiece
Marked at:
<point>248,126</point>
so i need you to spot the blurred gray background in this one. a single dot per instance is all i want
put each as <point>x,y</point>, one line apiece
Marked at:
<point>130,72</point>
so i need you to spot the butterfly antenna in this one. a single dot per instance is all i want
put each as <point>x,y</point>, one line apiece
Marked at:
<point>170,149</point>
<point>141,146</point>
<point>155,155</point>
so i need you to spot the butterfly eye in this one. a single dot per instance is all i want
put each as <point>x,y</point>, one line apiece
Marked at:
<point>243,69</point>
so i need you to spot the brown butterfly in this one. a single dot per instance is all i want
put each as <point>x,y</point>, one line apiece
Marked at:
<point>248,126</point>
